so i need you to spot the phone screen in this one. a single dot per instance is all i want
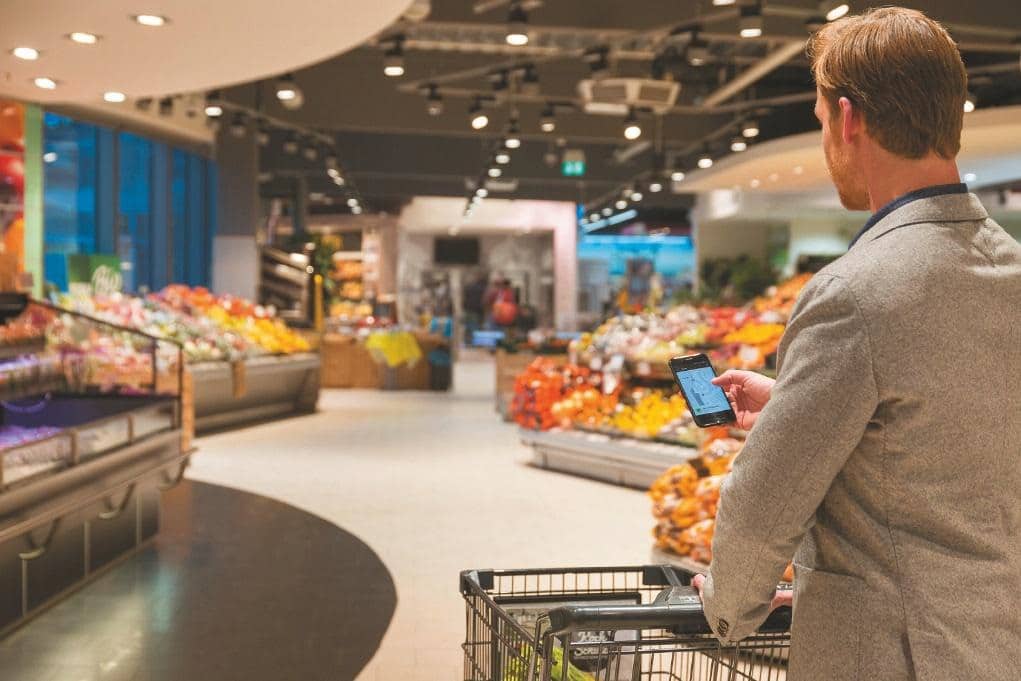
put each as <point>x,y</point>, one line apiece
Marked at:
<point>703,397</point>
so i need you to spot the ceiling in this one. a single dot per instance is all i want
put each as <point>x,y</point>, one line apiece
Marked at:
<point>392,149</point>
<point>204,44</point>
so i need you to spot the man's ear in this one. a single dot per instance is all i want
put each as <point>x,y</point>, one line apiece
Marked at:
<point>850,120</point>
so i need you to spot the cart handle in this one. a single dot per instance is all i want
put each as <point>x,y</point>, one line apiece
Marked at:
<point>678,609</point>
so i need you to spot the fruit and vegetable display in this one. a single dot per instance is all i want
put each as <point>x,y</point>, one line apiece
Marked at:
<point>543,384</point>
<point>742,337</point>
<point>208,326</point>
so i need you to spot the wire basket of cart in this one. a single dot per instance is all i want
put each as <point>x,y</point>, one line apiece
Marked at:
<point>640,623</point>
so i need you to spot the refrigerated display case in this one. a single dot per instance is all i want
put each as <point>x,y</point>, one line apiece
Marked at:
<point>90,436</point>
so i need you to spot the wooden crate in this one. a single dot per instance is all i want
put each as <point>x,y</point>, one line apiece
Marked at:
<point>187,410</point>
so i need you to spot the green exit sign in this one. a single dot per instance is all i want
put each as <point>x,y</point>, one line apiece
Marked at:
<point>573,168</point>
<point>573,164</point>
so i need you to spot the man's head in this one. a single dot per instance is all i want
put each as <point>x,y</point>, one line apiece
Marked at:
<point>890,81</point>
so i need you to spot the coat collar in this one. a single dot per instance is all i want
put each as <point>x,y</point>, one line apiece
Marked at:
<point>937,209</point>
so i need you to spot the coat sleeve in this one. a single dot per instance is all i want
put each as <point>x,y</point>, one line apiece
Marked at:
<point>823,400</point>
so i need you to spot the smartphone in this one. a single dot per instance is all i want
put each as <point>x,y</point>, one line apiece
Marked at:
<point>708,403</point>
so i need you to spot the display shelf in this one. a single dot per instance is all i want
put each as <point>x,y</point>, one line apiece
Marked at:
<point>257,388</point>
<point>16,350</point>
<point>626,462</point>
<point>10,393</point>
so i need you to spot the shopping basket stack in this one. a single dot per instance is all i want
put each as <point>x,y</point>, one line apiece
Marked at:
<point>605,624</point>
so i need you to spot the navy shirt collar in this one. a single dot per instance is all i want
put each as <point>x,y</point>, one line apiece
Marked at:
<point>923,193</point>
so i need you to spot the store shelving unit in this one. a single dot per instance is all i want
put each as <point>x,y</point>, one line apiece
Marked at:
<point>287,282</point>
<point>230,393</point>
<point>98,409</point>
<point>622,461</point>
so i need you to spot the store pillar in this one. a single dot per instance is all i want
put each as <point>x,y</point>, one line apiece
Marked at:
<point>236,248</point>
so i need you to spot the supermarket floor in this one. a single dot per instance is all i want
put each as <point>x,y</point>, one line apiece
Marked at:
<point>413,488</point>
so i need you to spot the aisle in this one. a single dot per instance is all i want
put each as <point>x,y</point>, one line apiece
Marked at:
<point>433,483</point>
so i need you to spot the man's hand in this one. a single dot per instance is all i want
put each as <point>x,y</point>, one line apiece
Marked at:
<point>748,393</point>
<point>782,597</point>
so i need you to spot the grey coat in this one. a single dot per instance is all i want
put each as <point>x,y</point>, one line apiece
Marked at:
<point>888,461</point>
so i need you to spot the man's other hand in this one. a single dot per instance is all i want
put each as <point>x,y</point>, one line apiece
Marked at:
<point>748,393</point>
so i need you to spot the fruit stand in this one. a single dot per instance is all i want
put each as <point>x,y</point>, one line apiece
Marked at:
<point>246,364</point>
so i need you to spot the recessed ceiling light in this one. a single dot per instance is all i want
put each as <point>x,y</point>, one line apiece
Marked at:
<point>150,19</point>
<point>495,172</point>
<point>114,97</point>
<point>352,202</point>
<point>607,211</point>
<point>655,187</point>
<point>503,158</point>
<point>45,83</point>
<point>677,176</point>
<point>49,157</point>
<point>837,11</point>
<point>970,177</point>
<point>26,53</point>
<point>621,205</point>
<point>754,183</point>
<point>705,162</point>
<point>83,38</point>
<point>637,196</point>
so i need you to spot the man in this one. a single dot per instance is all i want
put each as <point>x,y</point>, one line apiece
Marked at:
<point>886,458</point>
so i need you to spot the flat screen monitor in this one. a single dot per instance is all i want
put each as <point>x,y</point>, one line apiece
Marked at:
<point>451,251</point>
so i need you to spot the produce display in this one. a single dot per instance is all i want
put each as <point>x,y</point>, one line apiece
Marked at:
<point>209,327</point>
<point>543,384</point>
<point>735,337</point>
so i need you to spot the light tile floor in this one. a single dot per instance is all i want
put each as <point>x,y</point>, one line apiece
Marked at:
<point>434,483</point>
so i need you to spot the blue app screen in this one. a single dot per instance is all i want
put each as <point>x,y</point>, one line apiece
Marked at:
<point>703,396</point>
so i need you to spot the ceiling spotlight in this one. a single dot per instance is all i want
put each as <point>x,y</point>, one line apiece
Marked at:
<point>598,62</point>
<point>288,92</point>
<point>513,140</point>
<point>26,53</point>
<point>632,130</point>
<point>697,51</point>
<point>705,161</point>
<point>607,211</point>
<point>150,19</point>
<point>482,192</point>
<point>621,204</point>
<point>310,152</point>
<point>594,217</point>
<point>393,60</point>
<point>477,116</point>
<point>237,125</point>
<point>166,106</point>
<point>636,196</point>
<point>548,121</point>
<point>50,157</point>
<point>655,187</point>
<point>213,107</point>
<point>969,177</point>
<point>114,97</point>
<point>290,145</point>
<point>434,102</point>
<point>45,83</point>
<point>495,172</point>
<point>969,102</point>
<point>750,129</point>
<point>738,144</point>
<point>677,176</point>
<point>83,38</point>
<point>262,135</point>
<point>833,9</point>
<point>339,180</point>
<point>503,158</point>
<point>530,82</point>
<point>723,3</point>
<point>352,202</point>
<point>517,25</point>
<point>750,23</point>
<point>356,210</point>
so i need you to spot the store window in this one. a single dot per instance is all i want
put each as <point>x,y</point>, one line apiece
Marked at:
<point>70,176</point>
<point>115,193</point>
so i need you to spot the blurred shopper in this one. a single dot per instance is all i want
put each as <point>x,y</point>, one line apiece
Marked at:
<point>886,458</point>
<point>501,302</point>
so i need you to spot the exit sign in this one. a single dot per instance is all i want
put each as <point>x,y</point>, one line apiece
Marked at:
<point>573,164</point>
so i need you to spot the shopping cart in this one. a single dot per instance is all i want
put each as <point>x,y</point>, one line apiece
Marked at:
<point>606,624</point>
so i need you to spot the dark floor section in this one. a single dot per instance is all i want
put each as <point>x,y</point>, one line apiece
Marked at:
<point>237,586</point>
